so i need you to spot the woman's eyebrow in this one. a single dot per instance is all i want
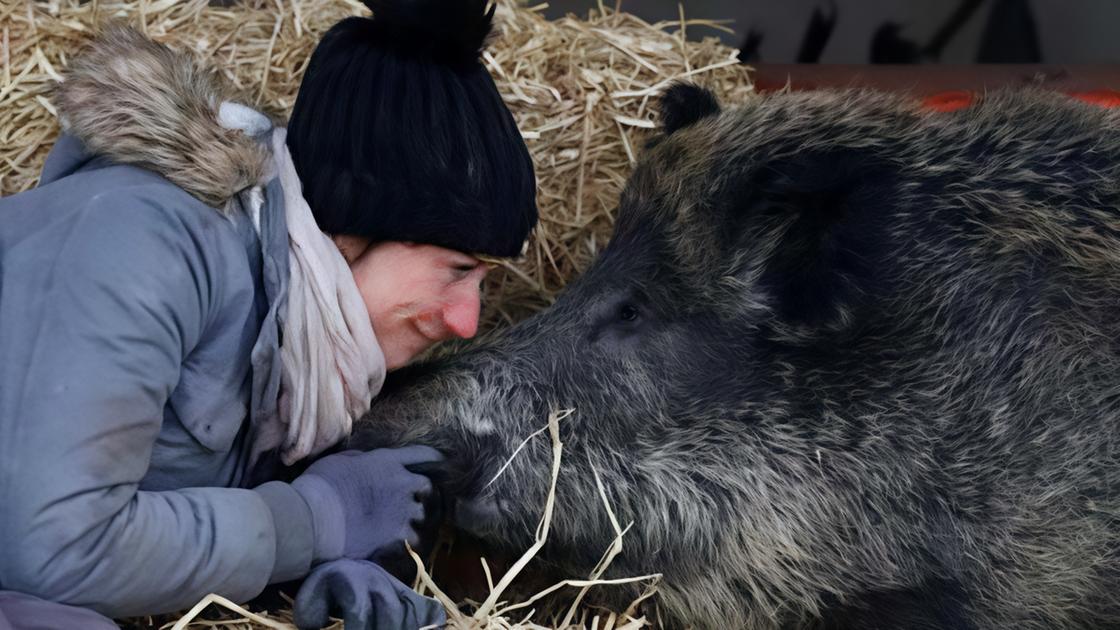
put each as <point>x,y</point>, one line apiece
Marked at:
<point>463,260</point>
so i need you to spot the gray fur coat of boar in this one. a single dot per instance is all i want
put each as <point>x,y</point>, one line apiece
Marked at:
<point>847,362</point>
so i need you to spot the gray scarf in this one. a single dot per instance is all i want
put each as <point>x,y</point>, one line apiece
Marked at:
<point>332,365</point>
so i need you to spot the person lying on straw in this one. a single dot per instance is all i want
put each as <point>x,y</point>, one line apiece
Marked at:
<point>194,300</point>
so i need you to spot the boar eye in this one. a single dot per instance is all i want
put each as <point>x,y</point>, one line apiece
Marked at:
<point>618,320</point>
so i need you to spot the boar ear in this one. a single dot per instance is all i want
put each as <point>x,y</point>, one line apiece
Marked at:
<point>831,206</point>
<point>685,103</point>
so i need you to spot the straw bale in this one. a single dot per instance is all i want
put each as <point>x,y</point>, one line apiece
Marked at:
<point>582,90</point>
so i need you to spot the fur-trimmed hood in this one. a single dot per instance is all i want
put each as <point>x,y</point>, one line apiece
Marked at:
<point>138,102</point>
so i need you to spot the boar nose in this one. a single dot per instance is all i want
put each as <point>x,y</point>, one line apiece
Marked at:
<point>460,312</point>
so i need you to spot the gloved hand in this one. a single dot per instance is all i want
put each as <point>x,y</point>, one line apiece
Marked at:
<point>365,596</point>
<point>364,504</point>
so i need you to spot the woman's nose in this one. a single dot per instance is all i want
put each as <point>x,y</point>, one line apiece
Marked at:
<point>460,313</point>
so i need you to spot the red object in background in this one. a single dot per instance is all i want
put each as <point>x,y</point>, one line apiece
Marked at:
<point>1104,98</point>
<point>945,88</point>
<point>959,99</point>
<point>949,101</point>
<point>936,79</point>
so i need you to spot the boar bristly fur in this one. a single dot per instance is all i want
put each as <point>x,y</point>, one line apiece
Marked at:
<point>845,363</point>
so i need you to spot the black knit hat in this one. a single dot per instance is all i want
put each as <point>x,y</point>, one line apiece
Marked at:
<point>399,133</point>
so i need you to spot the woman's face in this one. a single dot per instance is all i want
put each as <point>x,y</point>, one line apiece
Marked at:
<point>416,295</point>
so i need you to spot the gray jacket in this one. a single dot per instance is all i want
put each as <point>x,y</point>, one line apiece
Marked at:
<point>139,344</point>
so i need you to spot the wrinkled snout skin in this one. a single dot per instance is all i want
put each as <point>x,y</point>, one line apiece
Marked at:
<point>845,363</point>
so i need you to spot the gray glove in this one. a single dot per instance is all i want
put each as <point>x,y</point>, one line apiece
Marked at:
<point>364,504</point>
<point>365,596</point>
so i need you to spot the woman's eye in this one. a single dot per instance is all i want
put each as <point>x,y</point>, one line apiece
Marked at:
<point>628,313</point>
<point>462,271</point>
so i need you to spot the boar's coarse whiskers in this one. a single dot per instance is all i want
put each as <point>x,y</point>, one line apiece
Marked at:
<point>558,415</point>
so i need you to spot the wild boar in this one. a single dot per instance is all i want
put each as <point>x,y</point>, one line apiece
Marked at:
<point>847,362</point>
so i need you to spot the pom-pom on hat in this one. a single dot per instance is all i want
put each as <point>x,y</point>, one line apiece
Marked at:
<point>399,133</point>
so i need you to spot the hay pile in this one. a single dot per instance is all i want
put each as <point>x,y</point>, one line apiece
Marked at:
<point>582,91</point>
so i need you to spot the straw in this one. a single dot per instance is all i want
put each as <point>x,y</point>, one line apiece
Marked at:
<point>580,90</point>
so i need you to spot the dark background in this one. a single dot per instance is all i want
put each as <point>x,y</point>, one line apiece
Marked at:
<point>898,31</point>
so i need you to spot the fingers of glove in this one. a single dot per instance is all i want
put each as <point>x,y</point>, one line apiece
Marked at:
<point>389,614</point>
<point>311,615</point>
<point>416,515</point>
<point>312,605</point>
<point>412,536</point>
<point>417,611</point>
<point>429,527</point>
<point>420,611</point>
<point>341,588</point>
<point>421,486</point>
<point>350,599</point>
<point>346,590</point>
<point>383,610</point>
<point>388,610</point>
<point>360,619</point>
<point>438,471</point>
<point>433,505</point>
<point>415,454</point>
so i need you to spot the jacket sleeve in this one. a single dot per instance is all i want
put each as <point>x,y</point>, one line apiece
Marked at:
<point>111,313</point>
